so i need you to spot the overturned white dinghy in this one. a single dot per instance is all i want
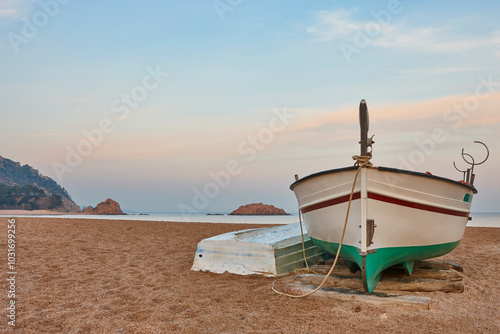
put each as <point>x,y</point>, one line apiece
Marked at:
<point>268,251</point>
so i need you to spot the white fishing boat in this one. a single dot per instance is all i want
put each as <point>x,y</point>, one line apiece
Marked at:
<point>396,216</point>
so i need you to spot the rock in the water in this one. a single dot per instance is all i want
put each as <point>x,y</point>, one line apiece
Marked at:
<point>108,207</point>
<point>259,209</point>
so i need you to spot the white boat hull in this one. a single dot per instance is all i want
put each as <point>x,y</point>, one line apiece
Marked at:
<point>417,216</point>
<point>270,251</point>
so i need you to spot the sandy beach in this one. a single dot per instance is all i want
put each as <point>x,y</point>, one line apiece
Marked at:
<point>111,276</point>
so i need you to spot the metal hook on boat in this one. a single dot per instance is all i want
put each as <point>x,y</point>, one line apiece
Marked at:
<point>461,171</point>
<point>479,163</point>
<point>487,152</point>
<point>371,142</point>
<point>470,171</point>
<point>470,163</point>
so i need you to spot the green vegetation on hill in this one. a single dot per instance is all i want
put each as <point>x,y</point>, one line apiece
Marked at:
<point>23,187</point>
<point>12,173</point>
<point>28,198</point>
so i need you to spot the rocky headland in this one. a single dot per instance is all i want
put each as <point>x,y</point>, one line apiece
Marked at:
<point>259,209</point>
<point>24,188</point>
<point>108,207</point>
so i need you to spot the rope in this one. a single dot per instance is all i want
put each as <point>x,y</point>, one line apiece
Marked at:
<point>361,161</point>
<point>307,270</point>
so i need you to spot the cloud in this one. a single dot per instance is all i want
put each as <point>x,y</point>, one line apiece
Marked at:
<point>496,39</point>
<point>7,12</point>
<point>496,42</point>
<point>424,40</point>
<point>456,112</point>
<point>339,25</point>
<point>441,70</point>
<point>15,8</point>
<point>333,25</point>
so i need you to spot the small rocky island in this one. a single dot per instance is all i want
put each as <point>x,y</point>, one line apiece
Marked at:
<point>108,207</point>
<point>259,209</point>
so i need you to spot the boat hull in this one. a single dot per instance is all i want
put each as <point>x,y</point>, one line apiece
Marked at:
<point>416,216</point>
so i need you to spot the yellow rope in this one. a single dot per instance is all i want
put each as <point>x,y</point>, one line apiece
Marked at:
<point>306,270</point>
<point>361,161</point>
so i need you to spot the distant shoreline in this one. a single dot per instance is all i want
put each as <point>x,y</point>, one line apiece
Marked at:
<point>34,213</point>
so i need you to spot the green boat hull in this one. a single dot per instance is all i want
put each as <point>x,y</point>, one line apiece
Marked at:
<point>383,258</point>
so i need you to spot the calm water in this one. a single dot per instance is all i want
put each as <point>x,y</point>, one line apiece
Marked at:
<point>485,219</point>
<point>478,219</point>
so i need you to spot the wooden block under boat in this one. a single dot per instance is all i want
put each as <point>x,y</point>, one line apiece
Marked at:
<point>426,264</point>
<point>400,284</point>
<point>393,272</point>
<point>350,295</point>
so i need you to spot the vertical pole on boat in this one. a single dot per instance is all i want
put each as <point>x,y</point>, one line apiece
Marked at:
<point>364,196</point>
<point>364,124</point>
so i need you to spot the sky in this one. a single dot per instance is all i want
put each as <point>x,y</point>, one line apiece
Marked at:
<point>203,106</point>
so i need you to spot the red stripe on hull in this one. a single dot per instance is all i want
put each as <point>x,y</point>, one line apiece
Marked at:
<point>417,205</point>
<point>387,199</point>
<point>331,202</point>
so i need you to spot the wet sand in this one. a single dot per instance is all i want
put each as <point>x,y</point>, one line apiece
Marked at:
<point>110,276</point>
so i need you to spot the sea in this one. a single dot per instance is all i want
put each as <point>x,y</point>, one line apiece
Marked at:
<point>479,219</point>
